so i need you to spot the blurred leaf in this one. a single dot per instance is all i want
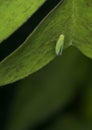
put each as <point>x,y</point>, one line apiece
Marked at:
<point>47,91</point>
<point>13,13</point>
<point>69,122</point>
<point>86,103</point>
<point>39,48</point>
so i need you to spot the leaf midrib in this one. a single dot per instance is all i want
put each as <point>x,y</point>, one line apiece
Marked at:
<point>74,12</point>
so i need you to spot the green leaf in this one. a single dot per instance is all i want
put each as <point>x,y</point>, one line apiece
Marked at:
<point>82,26</point>
<point>69,19</point>
<point>33,54</point>
<point>13,13</point>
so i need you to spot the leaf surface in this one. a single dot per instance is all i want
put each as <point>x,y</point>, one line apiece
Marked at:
<point>71,18</point>
<point>13,13</point>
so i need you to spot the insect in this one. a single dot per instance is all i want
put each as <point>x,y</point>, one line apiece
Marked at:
<point>59,45</point>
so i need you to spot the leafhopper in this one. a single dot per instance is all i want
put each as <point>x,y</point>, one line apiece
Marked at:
<point>59,45</point>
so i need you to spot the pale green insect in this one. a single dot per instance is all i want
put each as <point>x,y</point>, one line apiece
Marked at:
<point>59,45</point>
